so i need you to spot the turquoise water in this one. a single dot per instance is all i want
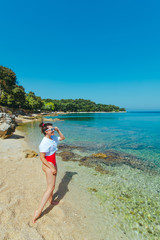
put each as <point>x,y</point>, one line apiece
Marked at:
<point>128,191</point>
<point>134,133</point>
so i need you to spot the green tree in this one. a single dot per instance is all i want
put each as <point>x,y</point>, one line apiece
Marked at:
<point>122,109</point>
<point>3,98</point>
<point>19,96</point>
<point>33,102</point>
<point>7,80</point>
<point>49,106</point>
<point>10,100</point>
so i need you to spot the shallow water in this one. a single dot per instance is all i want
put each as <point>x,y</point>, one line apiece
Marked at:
<point>130,190</point>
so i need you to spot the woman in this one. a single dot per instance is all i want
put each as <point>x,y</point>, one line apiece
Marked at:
<point>48,148</point>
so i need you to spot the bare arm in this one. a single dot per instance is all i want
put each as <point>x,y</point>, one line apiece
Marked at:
<point>60,134</point>
<point>45,162</point>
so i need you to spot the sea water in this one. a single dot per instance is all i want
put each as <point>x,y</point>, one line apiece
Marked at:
<point>129,191</point>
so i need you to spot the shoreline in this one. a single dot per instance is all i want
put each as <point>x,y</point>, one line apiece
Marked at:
<point>39,117</point>
<point>21,191</point>
<point>91,112</point>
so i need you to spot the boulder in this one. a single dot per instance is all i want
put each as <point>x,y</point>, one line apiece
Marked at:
<point>30,153</point>
<point>7,125</point>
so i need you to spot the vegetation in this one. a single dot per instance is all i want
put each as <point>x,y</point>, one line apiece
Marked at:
<point>49,106</point>
<point>33,102</point>
<point>14,95</point>
<point>82,105</point>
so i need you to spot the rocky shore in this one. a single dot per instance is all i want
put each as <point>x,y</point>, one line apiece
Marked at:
<point>7,125</point>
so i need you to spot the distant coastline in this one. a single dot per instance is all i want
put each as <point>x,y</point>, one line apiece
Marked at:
<point>91,112</point>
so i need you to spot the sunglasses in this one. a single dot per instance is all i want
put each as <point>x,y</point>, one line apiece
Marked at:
<point>52,129</point>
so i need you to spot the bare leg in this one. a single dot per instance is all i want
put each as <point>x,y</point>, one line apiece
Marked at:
<point>51,196</point>
<point>51,179</point>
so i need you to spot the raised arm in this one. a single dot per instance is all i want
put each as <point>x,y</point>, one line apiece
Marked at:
<point>60,134</point>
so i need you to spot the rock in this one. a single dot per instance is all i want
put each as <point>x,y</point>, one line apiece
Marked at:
<point>53,119</point>
<point>101,170</point>
<point>108,158</point>
<point>66,156</point>
<point>92,190</point>
<point>30,153</point>
<point>69,148</point>
<point>99,155</point>
<point>7,125</point>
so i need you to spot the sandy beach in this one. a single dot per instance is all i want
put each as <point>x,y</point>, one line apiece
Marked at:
<point>22,185</point>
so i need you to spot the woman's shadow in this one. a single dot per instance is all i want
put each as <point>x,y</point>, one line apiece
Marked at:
<point>61,192</point>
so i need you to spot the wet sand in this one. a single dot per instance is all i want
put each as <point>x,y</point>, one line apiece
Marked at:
<point>22,185</point>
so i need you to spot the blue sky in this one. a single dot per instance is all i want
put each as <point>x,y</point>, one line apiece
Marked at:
<point>105,51</point>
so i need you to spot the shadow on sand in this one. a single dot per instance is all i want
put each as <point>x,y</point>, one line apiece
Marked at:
<point>61,192</point>
<point>15,136</point>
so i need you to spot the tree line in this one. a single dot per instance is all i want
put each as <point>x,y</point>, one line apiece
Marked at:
<point>82,105</point>
<point>13,95</point>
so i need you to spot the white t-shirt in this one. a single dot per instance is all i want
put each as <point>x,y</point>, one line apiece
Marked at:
<point>49,146</point>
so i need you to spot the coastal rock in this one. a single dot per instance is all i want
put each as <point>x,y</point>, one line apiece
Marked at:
<point>67,156</point>
<point>7,125</point>
<point>28,118</point>
<point>108,158</point>
<point>69,147</point>
<point>96,163</point>
<point>30,153</point>
<point>99,155</point>
<point>88,161</point>
<point>53,119</point>
<point>111,158</point>
<point>101,170</point>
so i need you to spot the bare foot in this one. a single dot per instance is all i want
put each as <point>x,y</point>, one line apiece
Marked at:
<point>54,202</point>
<point>36,216</point>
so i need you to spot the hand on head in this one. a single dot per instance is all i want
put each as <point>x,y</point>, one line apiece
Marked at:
<point>56,129</point>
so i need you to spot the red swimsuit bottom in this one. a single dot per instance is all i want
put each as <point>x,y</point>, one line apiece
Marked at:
<point>51,158</point>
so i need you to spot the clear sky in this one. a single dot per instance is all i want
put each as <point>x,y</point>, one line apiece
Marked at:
<point>105,51</point>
